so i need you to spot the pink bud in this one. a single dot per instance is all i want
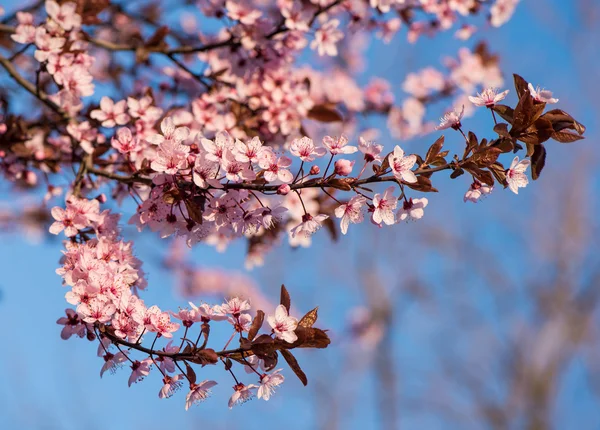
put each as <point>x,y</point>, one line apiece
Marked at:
<point>30,177</point>
<point>101,198</point>
<point>283,189</point>
<point>343,167</point>
<point>314,170</point>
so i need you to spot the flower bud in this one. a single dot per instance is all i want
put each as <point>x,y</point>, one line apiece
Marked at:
<point>314,170</point>
<point>343,167</point>
<point>283,189</point>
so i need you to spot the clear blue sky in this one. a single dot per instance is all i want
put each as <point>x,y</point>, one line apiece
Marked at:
<point>48,383</point>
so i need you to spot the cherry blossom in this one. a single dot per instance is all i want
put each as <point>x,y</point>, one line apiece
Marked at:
<point>488,97</point>
<point>171,385</point>
<point>383,207</point>
<point>268,383</point>
<point>412,209</point>
<point>139,370</point>
<point>326,38</point>
<point>401,165</point>
<point>338,145</point>
<point>64,15</point>
<point>111,113</point>
<point>242,393</point>
<point>305,149</point>
<point>451,120</point>
<point>198,393</point>
<point>476,191</point>
<point>351,212</point>
<point>541,95</point>
<point>515,175</point>
<point>309,225</point>
<point>283,325</point>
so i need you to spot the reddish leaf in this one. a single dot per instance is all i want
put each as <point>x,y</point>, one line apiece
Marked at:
<point>434,150</point>
<point>190,373</point>
<point>520,85</point>
<point>566,136</point>
<point>309,319</point>
<point>291,361</point>
<point>538,160</point>
<point>285,298</point>
<point>324,113</point>
<point>256,324</point>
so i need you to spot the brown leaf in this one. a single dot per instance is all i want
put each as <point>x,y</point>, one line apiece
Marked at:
<point>325,113</point>
<point>194,211</point>
<point>256,324</point>
<point>285,298</point>
<point>434,150</point>
<point>340,183</point>
<point>505,112</point>
<point>502,130</point>
<point>423,184</point>
<point>158,38</point>
<point>204,357</point>
<point>521,85</point>
<point>263,345</point>
<point>309,319</point>
<point>456,173</point>
<point>486,156</point>
<point>561,120</point>
<point>538,160</point>
<point>190,373</point>
<point>291,361</point>
<point>523,113</point>
<point>499,173</point>
<point>566,136</point>
<point>310,337</point>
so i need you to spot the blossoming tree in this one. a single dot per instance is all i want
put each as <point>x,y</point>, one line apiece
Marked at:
<point>224,136</point>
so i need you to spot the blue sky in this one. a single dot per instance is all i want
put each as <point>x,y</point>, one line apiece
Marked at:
<point>53,384</point>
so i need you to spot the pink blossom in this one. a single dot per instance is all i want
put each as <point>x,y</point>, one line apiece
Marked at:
<point>96,310</point>
<point>68,220</point>
<point>235,170</point>
<point>211,313</point>
<point>501,11</point>
<point>268,383</point>
<point>124,141</point>
<point>46,44</point>
<point>476,191</point>
<point>371,150</point>
<point>283,325</point>
<point>488,97</point>
<point>326,38</point>
<point>241,395</point>
<point>412,209</point>
<point>198,393</point>
<point>305,149</point>
<point>139,370</point>
<point>515,175</point>
<point>242,12</point>
<point>384,207</point>
<point>401,165</point>
<point>350,212</point>
<point>451,120</point>
<point>205,173</point>
<point>338,145</point>
<point>25,31</point>
<point>143,109</point>
<point>110,113</point>
<point>171,385</point>
<point>64,15</point>
<point>275,168</point>
<point>113,361</point>
<point>248,152</point>
<point>343,167</point>
<point>216,148</point>
<point>171,157</point>
<point>72,325</point>
<point>162,325</point>
<point>309,225</point>
<point>541,95</point>
<point>170,133</point>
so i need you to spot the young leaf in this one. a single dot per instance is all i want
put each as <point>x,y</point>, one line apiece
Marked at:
<point>256,324</point>
<point>324,113</point>
<point>190,373</point>
<point>538,160</point>
<point>309,319</point>
<point>521,85</point>
<point>291,361</point>
<point>285,298</point>
<point>434,150</point>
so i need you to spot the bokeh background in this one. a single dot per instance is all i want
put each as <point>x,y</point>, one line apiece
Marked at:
<point>478,316</point>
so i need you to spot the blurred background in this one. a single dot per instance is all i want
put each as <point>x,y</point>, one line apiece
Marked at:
<point>477,316</point>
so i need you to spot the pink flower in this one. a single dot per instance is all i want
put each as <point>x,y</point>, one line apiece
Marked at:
<point>171,157</point>
<point>242,394</point>
<point>139,370</point>
<point>384,207</point>
<point>515,175</point>
<point>96,310</point>
<point>343,167</point>
<point>476,191</point>
<point>248,152</point>
<point>339,145</point>
<point>371,150</point>
<point>309,225</point>
<point>350,212</point>
<point>268,383</point>
<point>25,31</point>
<point>124,141</point>
<point>401,165</point>
<point>205,173</point>
<point>541,95</point>
<point>451,120</point>
<point>501,11</point>
<point>198,393</point>
<point>283,189</point>
<point>488,97</point>
<point>68,220</point>
<point>283,325</point>
<point>305,149</point>
<point>215,149</point>
<point>234,306</point>
<point>162,325</point>
<point>171,385</point>
<point>326,37</point>
<point>239,11</point>
<point>143,109</point>
<point>64,15</point>
<point>235,170</point>
<point>110,113</point>
<point>275,168</point>
<point>113,362</point>
<point>46,44</point>
<point>209,313</point>
<point>297,16</point>
<point>72,325</point>
<point>412,209</point>
<point>170,133</point>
